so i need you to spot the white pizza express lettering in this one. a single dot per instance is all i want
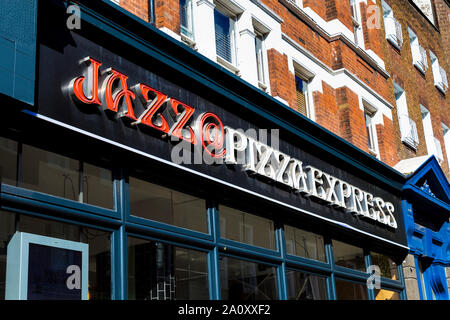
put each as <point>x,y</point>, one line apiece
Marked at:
<point>233,146</point>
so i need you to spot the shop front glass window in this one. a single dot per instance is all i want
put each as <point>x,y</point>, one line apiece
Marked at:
<point>98,241</point>
<point>388,268</point>
<point>348,256</point>
<point>159,271</point>
<point>154,202</point>
<point>97,186</point>
<point>383,294</point>
<point>346,290</point>
<point>61,176</point>
<point>304,286</point>
<point>50,173</point>
<point>247,281</point>
<point>247,228</point>
<point>99,249</point>
<point>304,244</point>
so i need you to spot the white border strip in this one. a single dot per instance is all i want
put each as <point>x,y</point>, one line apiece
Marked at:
<point>87,133</point>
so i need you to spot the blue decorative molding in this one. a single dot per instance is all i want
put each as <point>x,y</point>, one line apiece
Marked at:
<point>427,193</point>
<point>425,187</point>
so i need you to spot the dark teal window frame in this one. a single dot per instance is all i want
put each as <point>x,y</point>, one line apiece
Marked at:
<point>122,224</point>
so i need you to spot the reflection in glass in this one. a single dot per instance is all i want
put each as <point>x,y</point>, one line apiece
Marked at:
<point>346,290</point>
<point>99,249</point>
<point>247,228</point>
<point>150,201</point>
<point>60,176</point>
<point>50,173</point>
<point>382,294</point>
<point>158,271</point>
<point>8,161</point>
<point>304,244</point>
<point>243,280</point>
<point>97,186</point>
<point>348,256</point>
<point>388,268</point>
<point>304,286</point>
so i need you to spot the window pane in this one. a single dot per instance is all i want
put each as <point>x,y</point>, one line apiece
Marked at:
<point>301,96</point>
<point>247,228</point>
<point>7,229</point>
<point>186,17</point>
<point>58,175</point>
<point>99,249</point>
<point>259,58</point>
<point>223,35</point>
<point>348,256</point>
<point>158,271</point>
<point>150,201</point>
<point>369,131</point>
<point>50,173</point>
<point>8,161</point>
<point>97,186</point>
<point>243,280</point>
<point>304,286</point>
<point>350,291</point>
<point>388,267</point>
<point>304,244</point>
<point>382,294</point>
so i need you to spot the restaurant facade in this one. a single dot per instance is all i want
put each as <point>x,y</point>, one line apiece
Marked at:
<point>180,180</point>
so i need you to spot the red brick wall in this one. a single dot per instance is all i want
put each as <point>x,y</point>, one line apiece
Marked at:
<point>372,35</point>
<point>282,81</point>
<point>318,7</point>
<point>351,118</point>
<point>387,142</point>
<point>335,54</point>
<point>326,108</point>
<point>442,16</point>
<point>343,13</point>
<point>136,7</point>
<point>167,14</point>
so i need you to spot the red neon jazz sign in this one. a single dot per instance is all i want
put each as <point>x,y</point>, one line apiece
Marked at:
<point>114,96</point>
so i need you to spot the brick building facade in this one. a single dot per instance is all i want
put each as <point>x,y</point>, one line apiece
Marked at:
<point>340,49</point>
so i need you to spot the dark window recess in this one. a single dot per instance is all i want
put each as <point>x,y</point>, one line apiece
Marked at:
<point>304,286</point>
<point>247,281</point>
<point>154,202</point>
<point>346,290</point>
<point>61,176</point>
<point>159,271</point>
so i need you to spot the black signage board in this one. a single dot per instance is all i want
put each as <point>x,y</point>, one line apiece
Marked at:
<point>47,273</point>
<point>60,53</point>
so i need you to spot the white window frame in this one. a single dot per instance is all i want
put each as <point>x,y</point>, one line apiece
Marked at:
<point>187,34</point>
<point>439,74</point>
<point>233,16</point>
<point>392,27</point>
<point>408,128</point>
<point>357,29</point>
<point>419,54</point>
<point>433,144</point>
<point>370,112</point>
<point>307,76</point>
<point>260,60</point>
<point>261,31</point>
